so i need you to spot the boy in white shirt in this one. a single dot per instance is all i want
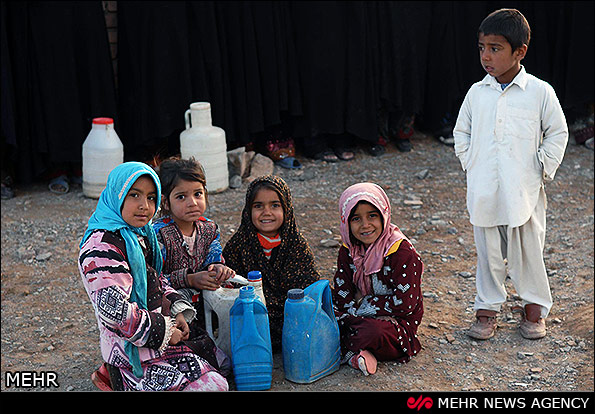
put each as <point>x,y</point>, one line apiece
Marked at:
<point>510,137</point>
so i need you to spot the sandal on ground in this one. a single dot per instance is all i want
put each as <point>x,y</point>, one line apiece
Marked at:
<point>328,156</point>
<point>278,150</point>
<point>7,192</point>
<point>377,150</point>
<point>365,361</point>
<point>290,163</point>
<point>447,139</point>
<point>403,145</point>
<point>59,185</point>
<point>344,154</point>
<point>445,136</point>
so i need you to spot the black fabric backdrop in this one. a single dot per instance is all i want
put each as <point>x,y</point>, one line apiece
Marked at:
<point>329,66</point>
<point>56,77</point>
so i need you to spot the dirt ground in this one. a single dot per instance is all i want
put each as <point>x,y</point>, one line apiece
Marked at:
<point>48,322</point>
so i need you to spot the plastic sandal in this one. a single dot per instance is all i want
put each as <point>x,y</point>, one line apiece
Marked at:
<point>328,156</point>
<point>101,378</point>
<point>368,360</point>
<point>59,185</point>
<point>7,192</point>
<point>344,154</point>
<point>289,163</point>
<point>365,361</point>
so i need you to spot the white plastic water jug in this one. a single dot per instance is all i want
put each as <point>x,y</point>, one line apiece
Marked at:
<point>207,144</point>
<point>220,302</point>
<point>102,152</point>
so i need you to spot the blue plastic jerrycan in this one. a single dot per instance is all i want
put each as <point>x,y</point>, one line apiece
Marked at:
<point>251,351</point>
<point>310,340</point>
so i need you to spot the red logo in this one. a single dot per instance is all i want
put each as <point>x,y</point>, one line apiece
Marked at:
<point>420,403</point>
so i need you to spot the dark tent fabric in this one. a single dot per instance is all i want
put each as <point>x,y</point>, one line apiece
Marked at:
<point>154,75</point>
<point>561,33</point>
<point>333,67</point>
<point>59,72</point>
<point>401,39</point>
<point>358,57</point>
<point>453,62</point>
<point>330,67</point>
<point>238,56</point>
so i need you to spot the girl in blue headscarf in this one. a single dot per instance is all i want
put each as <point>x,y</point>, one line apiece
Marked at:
<point>143,323</point>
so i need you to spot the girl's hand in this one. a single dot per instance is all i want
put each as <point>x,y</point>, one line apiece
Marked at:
<point>359,296</point>
<point>181,332</point>
<point>182,325</point>
<point>205,280</point>
<point>220,272</point>
<point>176,337</point>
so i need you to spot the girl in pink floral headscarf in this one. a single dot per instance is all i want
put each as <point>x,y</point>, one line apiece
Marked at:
<point>377,293</point>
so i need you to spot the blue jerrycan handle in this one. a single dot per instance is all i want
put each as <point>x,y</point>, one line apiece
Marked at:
<point>320,292</point>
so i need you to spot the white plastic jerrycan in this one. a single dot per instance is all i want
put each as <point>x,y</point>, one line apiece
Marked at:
<point>217,304</point>
<point>102,152</point>
<point>207,144</point>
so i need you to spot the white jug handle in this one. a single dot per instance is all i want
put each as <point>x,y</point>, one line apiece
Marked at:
<point>238,279</point>
<point>187,118</point>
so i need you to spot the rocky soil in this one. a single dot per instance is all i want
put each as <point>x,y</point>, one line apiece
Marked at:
<point>48,323</point>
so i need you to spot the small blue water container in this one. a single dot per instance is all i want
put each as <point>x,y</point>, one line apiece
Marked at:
<point>310,340</point>
<point>251,351</point>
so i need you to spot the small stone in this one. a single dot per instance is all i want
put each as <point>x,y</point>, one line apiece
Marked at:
<point>43,256</point>
<point>422,174</point>
<point>25,253</point>
<point>466,275</point>
<point>438,223</point>
<point>235,181</point>
<point>306,175</point>
<point>330,243</point>
<point>413,202</point>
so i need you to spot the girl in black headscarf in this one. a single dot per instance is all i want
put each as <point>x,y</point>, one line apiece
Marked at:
<point>268,240</point>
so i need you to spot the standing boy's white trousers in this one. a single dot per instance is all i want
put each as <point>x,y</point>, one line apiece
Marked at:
<point>522,247</point>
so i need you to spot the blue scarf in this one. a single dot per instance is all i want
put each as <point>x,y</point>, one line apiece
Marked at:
<point>108,216</point>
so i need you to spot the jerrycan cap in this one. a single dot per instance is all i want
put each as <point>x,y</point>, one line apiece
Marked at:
<point>103,121</point>
<point>254,276</point>
<point>246,292</point>
<point>295,294</point>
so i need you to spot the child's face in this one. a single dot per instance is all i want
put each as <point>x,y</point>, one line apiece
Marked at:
<point>267,212</point>
<point>187,202</point>
<point>366,224</point>
<point>140,203</point>
<point>497,57</point>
